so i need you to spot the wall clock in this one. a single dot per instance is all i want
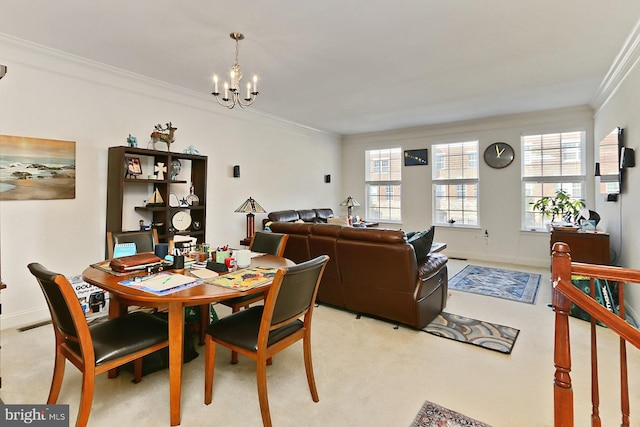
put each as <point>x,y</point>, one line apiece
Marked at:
<point>499,155</point>
<point>181,220</point>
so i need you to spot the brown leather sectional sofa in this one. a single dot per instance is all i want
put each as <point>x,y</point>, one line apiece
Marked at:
<point>371,271</point>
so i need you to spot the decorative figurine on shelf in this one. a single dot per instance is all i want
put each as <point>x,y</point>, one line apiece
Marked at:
<point>163,134</point>
<point>174,169</point>
<point>192,198</point>
<point>132,141</point>
<point>142,226</point>
<point>160,169</point>
<point>191,150</point>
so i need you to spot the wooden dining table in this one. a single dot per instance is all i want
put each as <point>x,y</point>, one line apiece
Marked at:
<point>122,296</point>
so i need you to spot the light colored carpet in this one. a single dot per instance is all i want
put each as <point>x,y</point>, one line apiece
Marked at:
<point>367,373</point>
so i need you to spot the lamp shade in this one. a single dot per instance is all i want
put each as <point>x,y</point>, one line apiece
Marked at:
<point>350,202</point>
<point>250,206</point>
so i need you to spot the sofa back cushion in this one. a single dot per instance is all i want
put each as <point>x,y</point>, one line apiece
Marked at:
<point>421,243</point>
<point>322,241</point>
<point>376,235</point>
<point>286,216</point>
<point>323,214</point>
<point>307,215</point>
<point>297,249</point>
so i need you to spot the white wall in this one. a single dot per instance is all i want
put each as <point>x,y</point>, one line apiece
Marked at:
<point>500,194</point>
<point>623,109</point>
<point>48,94</point>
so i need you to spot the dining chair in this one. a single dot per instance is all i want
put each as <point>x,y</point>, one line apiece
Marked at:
<point>263,242</point>
<point>145,240</point>
<point>97,348</point>
<point>259,332</point>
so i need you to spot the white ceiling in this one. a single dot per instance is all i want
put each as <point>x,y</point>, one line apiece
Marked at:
<point>351,66</point>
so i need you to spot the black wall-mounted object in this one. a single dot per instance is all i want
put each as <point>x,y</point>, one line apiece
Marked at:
<point>416,157</point>
<point>327,178</point>
<point>627,157</point>
<point>236,171</point>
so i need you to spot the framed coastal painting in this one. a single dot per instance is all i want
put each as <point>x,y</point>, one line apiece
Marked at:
<point>37,169</point>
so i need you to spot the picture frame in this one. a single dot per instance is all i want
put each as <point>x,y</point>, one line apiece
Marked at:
<point>417,157</point>
<point>134,167</point>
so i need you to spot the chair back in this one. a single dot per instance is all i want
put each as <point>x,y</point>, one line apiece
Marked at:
<point>296,292</point>
<point>66,313</point>
<point>145,240</point>
<point>269,243</point>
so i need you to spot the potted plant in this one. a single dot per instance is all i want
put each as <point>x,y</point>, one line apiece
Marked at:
<point>561,206</point>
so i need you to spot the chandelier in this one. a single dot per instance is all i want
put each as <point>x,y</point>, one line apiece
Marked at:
<point>232,91</point>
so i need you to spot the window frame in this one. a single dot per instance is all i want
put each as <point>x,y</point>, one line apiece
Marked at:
<point>534,221</point>
<point>462,190</point>
<point>383,186</point>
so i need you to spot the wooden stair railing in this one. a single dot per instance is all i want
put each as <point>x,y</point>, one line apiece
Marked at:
<point>564,294</point>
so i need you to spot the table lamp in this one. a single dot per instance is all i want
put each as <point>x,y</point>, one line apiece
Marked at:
<point>250,207</point>
<point>349,202</point>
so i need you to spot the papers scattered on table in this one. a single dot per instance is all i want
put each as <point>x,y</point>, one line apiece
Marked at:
<point>203,273</point>
<point>245,278</point>
<point>162,283</point>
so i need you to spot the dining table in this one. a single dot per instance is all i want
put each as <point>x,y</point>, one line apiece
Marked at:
<point>122,297</point>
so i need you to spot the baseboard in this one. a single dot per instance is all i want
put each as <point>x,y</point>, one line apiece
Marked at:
<point>499,259</point>
<point>24,318</point>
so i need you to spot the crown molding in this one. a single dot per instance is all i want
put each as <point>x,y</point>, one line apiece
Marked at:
<point>623,64</point>
<point>14,49</point>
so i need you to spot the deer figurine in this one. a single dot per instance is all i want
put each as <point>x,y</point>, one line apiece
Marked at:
<point>164,134</point>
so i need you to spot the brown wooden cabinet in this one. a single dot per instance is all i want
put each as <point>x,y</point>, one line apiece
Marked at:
<point>121,185</point>
<point>592,248</point>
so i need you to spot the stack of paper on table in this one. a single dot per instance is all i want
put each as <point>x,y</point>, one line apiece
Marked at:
<point>162,283</point>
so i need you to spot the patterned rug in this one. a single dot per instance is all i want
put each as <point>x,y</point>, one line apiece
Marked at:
<point>432,415</point>
<point>496,282</point>
<point>471,331</point>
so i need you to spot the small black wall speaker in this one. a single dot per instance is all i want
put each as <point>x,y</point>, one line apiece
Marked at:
<point>327,178</point>
<point>236,171</point>
<point>627,157</point>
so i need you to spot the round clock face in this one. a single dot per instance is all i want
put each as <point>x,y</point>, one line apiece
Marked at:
<point>498,155</point>
<point>181,220</point>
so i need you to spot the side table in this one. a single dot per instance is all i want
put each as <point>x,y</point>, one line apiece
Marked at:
<point>591,248</point>
<point>246,241</point>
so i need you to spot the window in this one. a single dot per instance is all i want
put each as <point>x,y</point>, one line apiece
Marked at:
<point>455,178</point>
<point>383,180</point>
<point>551,162</point>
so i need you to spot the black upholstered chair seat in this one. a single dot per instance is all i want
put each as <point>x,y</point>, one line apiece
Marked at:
<point>125,335</point>
<point>242,328</point>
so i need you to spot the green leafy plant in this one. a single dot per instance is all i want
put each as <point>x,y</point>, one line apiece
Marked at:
<point>560,206</point>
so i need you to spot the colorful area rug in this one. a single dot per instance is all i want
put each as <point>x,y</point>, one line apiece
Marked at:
<point>471,331</point>
<point>496,282</point>
<point>432,415</point>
